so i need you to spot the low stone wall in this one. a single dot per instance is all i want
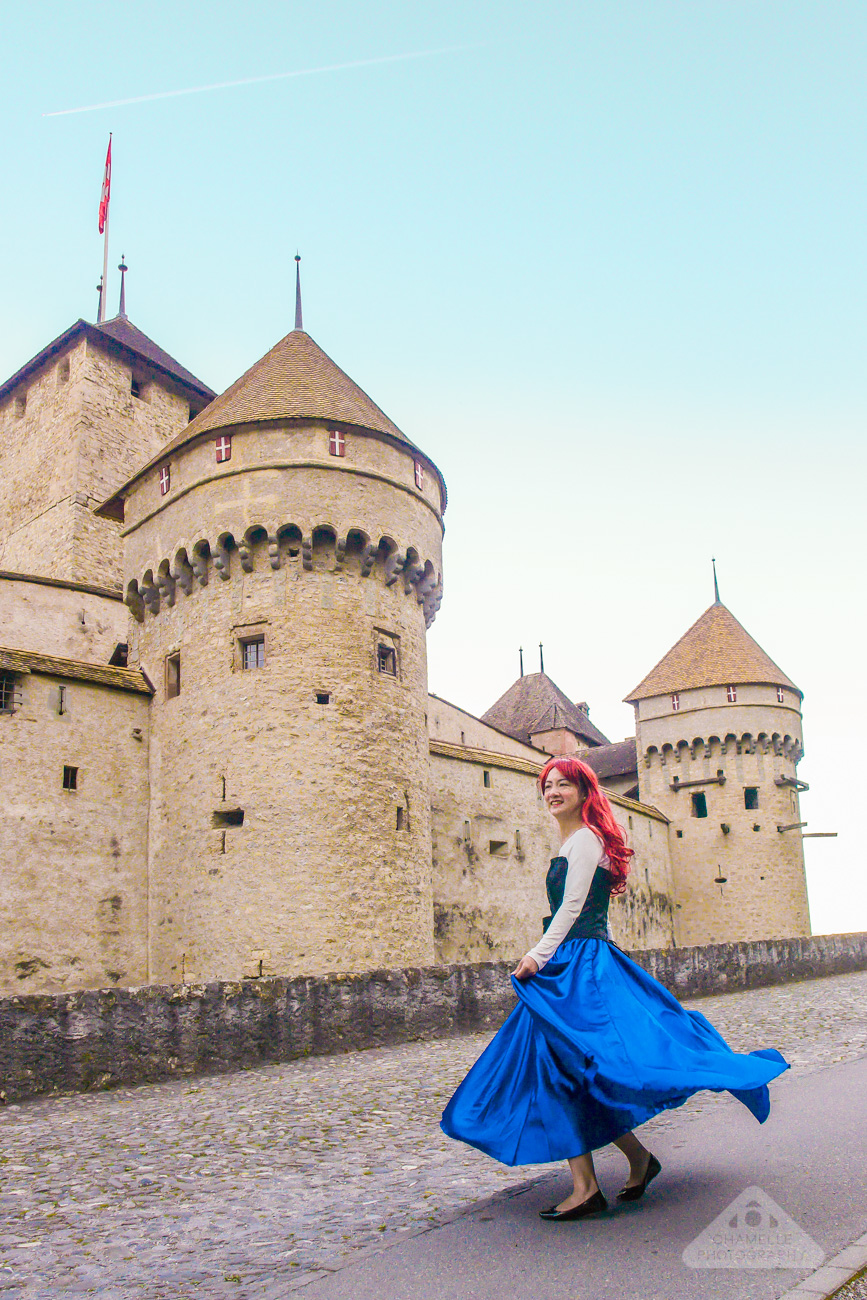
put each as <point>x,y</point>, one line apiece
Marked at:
<point>101,1038</point>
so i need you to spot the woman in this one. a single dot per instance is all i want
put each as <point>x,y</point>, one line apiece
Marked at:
<point>595,1046</point>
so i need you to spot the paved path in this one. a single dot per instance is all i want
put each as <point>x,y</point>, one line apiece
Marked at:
<point>252,1184</point>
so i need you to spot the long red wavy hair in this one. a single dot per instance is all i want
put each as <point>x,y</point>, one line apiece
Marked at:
<point>596,813</point>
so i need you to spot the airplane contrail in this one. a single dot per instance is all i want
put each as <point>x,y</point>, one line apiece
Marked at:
<point>250,81</point>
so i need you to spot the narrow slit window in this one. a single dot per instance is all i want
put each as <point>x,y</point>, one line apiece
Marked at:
<point>173,676</point>
<point>20,404</point>
<point>419,474</point>
<point>781,696</point>
<point>135,387</point>
<point>675,701</point>
<point>699,804</point>
<point>401,818</point>
<point>732,694</point>
<point>751,796</point>
<point>486,779</point>
<point>165,480</point>
<point>63,371</point>
<point>253,652</point>
<point>224,448</point>
<point>386,659</point>
<point>70,778</point>
<point>336,443</point>
<point>61,699</point>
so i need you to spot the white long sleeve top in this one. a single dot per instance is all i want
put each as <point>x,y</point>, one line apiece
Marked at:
<point>584,851</point>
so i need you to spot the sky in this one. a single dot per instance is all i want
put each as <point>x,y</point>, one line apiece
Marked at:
<point>604,262</point>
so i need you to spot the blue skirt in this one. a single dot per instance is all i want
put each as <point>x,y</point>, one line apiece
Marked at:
<point>595,1047</point>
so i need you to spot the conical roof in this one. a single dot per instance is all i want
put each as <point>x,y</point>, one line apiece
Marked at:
<point>295,380</point>
<point>534,703</point>
<point>715,651</point>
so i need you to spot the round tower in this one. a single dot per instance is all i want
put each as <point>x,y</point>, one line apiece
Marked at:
<point>718,729</point>
<point>282,560</point>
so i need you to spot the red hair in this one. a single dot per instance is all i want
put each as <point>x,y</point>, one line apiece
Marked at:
<point>595,813</point>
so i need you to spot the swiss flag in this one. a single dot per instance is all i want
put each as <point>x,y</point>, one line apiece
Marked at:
<point>106,190</point>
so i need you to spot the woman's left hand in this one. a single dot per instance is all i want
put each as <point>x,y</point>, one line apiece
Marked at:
<point>525,968</point>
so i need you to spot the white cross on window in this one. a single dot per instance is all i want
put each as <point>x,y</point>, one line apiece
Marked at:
<point>165,479</point>
<point>224,448</point>
<point>419,474</point>
<point>336,443</point>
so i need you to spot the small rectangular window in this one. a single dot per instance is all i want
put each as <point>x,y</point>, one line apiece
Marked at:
<point>486,780</point>
<point>751,796</point>
<point>336,443</point>
<point>173,676</point>
<point>323,697</point>
<point>732,694</point>
<point>386,659</point>
<point>699,804</point>
<point>227,817</point>
<point>224,448</point>
<point>135,387</point>
<point>675,701</point>
<point>498,847</point>
<point>780,695</point>
<point>679,835</point>
<point>253,653</point>
<point>70,778</point>
<point>10,693</point>
<point>165,480</point>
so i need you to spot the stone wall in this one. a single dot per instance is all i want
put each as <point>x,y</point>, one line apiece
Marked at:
<point>290,811</point>
<point>127,1036</point>
<point>493,839</point>
<point>73,889</point>
<point>736,876</point>
<point>69,437</point>
<point>52,617</point>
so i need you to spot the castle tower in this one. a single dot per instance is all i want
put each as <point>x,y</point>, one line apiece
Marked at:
<point>283,557</point>
<point>718,729</point>
<point>76,421</point>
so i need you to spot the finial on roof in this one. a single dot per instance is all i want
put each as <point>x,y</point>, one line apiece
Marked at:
<point>123,268</point>
<point>99,309</point>
<point>298,322</point>
<point>521,658</point>
<point>541,659</point>
<point>716,599</point>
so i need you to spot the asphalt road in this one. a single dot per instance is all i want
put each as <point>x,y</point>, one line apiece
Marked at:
<point>810,1158</point>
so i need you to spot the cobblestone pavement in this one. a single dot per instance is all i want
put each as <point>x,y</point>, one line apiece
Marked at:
<point>250,1184</point>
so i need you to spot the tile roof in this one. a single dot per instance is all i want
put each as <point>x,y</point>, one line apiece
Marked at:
<point>121,333</point>
<point>618,759</point>
<point>131,337</point>
<point>26,661</point>
<point>715,651</point>
<point>534,703</point>
<point>296,380</point>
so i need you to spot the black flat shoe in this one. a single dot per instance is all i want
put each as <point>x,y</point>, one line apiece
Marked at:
<point>635,1193</point>
<point>593,1205</point>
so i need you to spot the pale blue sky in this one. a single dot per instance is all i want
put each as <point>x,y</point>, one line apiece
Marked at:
<point>606,266</point>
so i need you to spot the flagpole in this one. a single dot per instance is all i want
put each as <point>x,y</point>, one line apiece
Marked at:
<point>104,293</point>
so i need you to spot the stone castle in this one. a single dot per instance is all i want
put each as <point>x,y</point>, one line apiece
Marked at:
<point>220,756</point>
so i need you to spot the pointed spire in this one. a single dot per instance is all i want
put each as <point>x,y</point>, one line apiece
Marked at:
<point>541,659</point>
<point>298,322</point>
<point>716,598</point>
<point>123,268</point>
<point>99,308</point>
<point>521,658</point>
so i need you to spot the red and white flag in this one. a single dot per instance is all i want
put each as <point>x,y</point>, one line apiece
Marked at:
<point>106,190</point>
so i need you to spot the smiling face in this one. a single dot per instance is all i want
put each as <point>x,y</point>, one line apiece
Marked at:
<point>563,799</point>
